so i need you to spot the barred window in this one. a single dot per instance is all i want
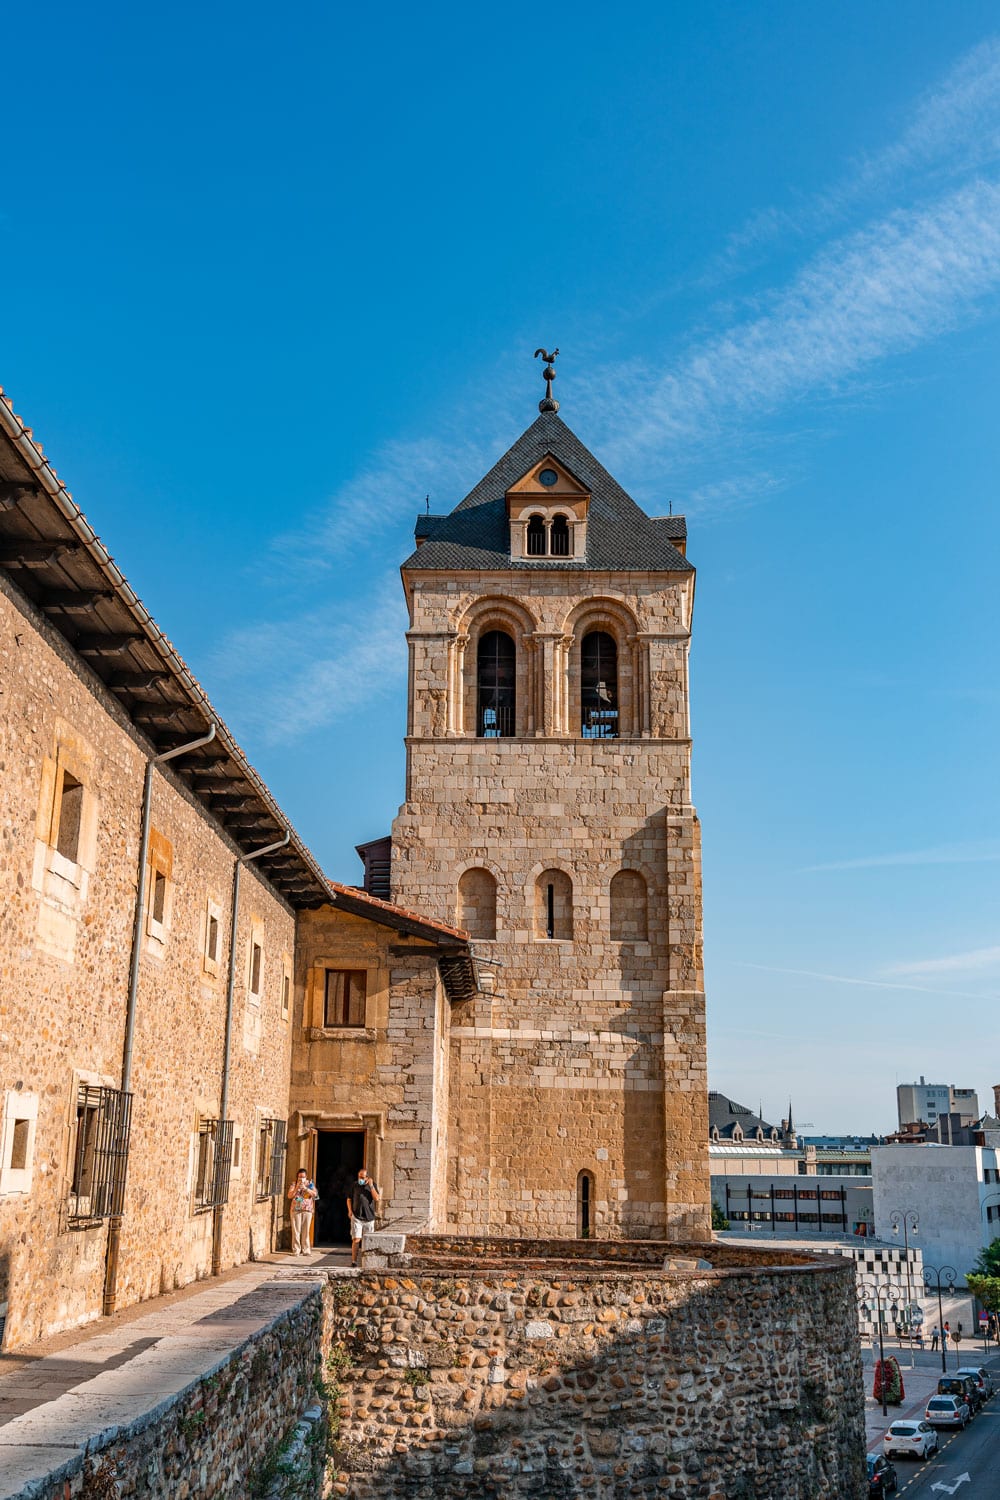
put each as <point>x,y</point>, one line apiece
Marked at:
<point>213,1164</point>
<point>270,1158</point>
<point>100,1154</point>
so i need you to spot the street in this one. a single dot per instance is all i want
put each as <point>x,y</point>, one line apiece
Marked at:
<point>967,1463</point>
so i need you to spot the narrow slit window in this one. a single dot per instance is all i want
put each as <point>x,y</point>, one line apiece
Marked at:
<point>286,995</point>
<point>158,899</point>
<point>256,959</point>
<point>70,816</point>
<point>19,1145</point>
<point>344,1000</point>
<point>212,943</point>
<point>585,1205</point>
<point>550,910</point>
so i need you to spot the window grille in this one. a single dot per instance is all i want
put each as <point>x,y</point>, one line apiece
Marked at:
<point>214,1164</point>
<point>271,1142</point>
<point>100,1156</point>
<point>559,537</point>
<point>496,687</point>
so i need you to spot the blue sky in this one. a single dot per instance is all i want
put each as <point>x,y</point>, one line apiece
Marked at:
<point>273,276</point>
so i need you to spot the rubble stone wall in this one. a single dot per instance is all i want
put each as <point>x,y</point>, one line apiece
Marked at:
<point>543,1378</point>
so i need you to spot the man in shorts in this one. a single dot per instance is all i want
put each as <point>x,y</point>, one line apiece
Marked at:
<point>361,1203</point>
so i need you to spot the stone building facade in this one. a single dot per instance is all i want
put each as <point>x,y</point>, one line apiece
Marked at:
<point>548,811</point>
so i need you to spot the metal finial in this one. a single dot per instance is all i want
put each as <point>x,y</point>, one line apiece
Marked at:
<point>548,375</point>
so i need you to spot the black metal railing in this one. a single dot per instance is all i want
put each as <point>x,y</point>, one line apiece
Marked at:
<point>496,723</point>
<point>100,1159</point>
<point>600,724</point>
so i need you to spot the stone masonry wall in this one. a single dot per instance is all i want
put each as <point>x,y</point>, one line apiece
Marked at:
<point>65,940</point>
<point>214,1442</point>
<point>537,1376</point>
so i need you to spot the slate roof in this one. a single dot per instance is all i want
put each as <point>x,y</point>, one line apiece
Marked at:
<point>620,536</point>
<point>725,1114</point>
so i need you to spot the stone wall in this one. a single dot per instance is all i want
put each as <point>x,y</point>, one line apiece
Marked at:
<point>545,1372</point>
<point>66,928</point>
<point>222,1437</point>
<point>587,1055</point>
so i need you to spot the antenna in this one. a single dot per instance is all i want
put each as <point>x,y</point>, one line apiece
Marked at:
<point>427,505</point>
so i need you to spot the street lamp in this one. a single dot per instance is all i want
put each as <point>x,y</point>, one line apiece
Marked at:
<point>873,1293</point>
<point>950,1276</point>
<point>908,1220</point>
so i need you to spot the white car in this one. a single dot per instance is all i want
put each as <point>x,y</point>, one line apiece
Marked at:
<point>981,1376</point>
<point>910,1438</point>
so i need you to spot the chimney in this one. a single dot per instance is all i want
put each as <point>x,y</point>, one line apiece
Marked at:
<point>996,1099</point>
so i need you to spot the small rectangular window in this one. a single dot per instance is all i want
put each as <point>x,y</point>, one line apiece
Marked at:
<point>100,1154</point>
<point>271,1158</point>
<point>256,956</point>
<point>19,1146</point>
<point>158,898</point>
<point>212,939</point>
<point>213,1164</point>
<point>69,817</point>
<point>344,1003</point>
<point>286,994</point>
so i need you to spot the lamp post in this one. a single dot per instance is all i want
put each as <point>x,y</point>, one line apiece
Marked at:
<point>873,1294</point>
<point>950,1276</point>
<point>908,1220</point>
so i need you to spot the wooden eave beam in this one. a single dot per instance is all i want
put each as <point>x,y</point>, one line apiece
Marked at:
<point>105,645</point>
<point>32,553</point>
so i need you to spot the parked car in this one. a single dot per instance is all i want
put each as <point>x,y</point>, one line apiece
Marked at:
<point>947,1411</point>
<point>964,1387</point>
<point>882,1479</point>
<point>912,1439</point>
<point>981,1376</point>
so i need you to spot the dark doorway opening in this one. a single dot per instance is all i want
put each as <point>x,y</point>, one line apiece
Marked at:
<point>339,1154</point>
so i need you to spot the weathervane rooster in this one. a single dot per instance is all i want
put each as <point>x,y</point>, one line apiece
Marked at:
<point>548,375</point>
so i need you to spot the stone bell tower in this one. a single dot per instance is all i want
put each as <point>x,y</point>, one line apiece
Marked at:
<point>548,812</point>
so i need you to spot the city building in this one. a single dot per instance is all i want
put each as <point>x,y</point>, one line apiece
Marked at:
<point>952,1193</point>
<point>926,1103</point>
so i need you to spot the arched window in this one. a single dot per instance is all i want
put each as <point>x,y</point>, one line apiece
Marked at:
<point>629,908</point>
<point>553,905</point>
<point>559,537</point>
<point>585,1206</point>
<point>495,679</point>
<point>536,537</point>
<point>477,904</point>
<point>599,686</point>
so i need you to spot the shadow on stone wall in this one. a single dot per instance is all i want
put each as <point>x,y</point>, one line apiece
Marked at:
<point>540,1382</point>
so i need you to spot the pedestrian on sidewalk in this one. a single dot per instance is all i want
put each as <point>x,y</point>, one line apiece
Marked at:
<point>361,1206</point>
<point>935,1336</point>
<point>302,1196</point>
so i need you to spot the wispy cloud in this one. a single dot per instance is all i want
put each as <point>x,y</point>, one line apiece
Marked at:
<point>975,961</point>
<point>949,854</point>
<point>870,984</point>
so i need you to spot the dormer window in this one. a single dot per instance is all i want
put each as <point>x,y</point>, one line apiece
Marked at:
<point>547,508</point>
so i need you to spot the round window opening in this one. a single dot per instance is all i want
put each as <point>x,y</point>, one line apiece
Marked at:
<point>548,477</point>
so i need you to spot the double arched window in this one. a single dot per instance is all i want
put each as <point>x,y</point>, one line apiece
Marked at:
<point>495,686</point>
<point>599,686</point>
<point>548,538</point>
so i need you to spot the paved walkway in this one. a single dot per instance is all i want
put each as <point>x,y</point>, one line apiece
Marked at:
<point>73,1391</point>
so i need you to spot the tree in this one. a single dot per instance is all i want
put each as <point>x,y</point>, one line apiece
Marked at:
<point>719,1220</point>
<point>986,1288</point>
<point>988,1263</point>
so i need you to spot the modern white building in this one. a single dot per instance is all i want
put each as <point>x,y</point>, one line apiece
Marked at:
<point>953,1194</point>
<point>928,1101</point>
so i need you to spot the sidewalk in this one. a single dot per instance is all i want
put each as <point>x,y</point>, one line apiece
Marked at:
<point>74,1390</point>
<point>920,1384</point>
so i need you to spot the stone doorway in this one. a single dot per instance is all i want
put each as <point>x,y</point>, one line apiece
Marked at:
<point>339,1154</point>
